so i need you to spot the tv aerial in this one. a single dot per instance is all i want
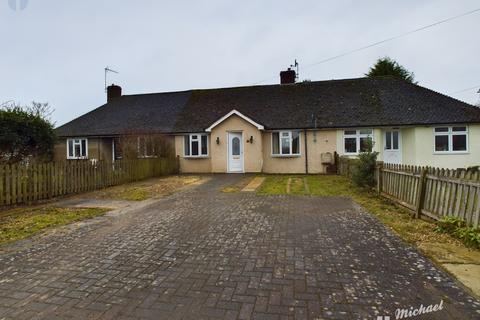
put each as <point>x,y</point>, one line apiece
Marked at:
<point>296,67</point>
<point>107,70</point>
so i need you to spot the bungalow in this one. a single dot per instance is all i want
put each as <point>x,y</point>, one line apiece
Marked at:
<point>286,128</point>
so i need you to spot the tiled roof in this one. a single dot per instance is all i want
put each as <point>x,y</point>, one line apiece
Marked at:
<point>334,104</point>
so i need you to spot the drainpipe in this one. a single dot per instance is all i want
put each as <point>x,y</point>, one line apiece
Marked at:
<point>306,151</point>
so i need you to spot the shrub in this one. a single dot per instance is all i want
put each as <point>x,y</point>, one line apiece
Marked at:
<point>364,172</point>
<point>459,229</point>
<point>469,235</point>
<point>449,224</point>
<point>27,133</point>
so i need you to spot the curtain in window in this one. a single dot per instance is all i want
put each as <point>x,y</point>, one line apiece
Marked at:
<point>186,143</point>
<point>295,142</point>
<point>204,145</point>
<point>70,148</point>
<point>275,143</point>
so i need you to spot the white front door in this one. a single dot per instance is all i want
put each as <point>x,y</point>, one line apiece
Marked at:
<point>392,147</point>
<point>235,152</point>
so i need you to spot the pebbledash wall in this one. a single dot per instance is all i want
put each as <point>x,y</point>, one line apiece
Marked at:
<point>417,147</point>
<point>257,155</point>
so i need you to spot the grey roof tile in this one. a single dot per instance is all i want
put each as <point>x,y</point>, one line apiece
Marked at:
<point>334,104</point>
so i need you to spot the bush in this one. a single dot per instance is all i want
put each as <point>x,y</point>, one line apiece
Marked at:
<point>364,172</point>
<point>26,133</point>
<point>459,229</point>
<point>449,224</point>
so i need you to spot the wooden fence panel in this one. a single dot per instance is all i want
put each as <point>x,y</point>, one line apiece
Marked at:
<point>433,192</point>
<point>23,184</point>
<point>446,192</point>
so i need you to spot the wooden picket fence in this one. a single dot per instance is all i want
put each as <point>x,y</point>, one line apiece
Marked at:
<point>25,184</point>
<point>432,192</point>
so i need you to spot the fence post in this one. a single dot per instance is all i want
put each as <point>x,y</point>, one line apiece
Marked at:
<point>379,176</point>
<point>421,192</point>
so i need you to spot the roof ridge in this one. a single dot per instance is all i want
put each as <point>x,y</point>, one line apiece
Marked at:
<point>248,86</point>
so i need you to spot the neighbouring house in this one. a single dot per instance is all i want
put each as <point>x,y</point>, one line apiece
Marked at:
<point>285,128</point>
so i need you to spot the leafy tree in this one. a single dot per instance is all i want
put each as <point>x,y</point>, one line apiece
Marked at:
<point>389,67</point>
<point>27,133</point>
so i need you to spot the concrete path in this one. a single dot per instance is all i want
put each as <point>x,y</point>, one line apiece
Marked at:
<point>203,254</point>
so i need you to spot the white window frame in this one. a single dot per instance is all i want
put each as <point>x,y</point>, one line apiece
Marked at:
<point>290,137</point>
<point>73,157</point>
<point>199,139</point>
<point>450,133</point>
<point>391,140</point>
<point>357,136</point>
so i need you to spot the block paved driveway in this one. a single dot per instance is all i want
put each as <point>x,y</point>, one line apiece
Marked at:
<point>201,254</point>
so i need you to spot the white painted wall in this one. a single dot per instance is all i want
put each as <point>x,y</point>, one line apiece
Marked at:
<point>418,147</point>
<point>377,142</point>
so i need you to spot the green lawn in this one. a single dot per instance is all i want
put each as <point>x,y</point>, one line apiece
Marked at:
<point>21,223</point>
<point>274,185</point>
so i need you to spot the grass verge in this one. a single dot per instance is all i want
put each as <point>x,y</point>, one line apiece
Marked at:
<point>20,223</point>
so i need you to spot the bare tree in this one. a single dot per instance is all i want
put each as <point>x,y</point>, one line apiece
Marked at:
<point>40,109</point>
<point>139,145</point>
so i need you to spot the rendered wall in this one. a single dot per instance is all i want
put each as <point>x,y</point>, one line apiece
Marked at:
<point>318,142</point>
<point>98,148</point>
<point>252,152</point>
<point>191,165</point>
<point>419,149</point>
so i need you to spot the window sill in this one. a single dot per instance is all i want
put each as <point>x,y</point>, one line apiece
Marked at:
<point>358,153</point>
<point>286,155</point>
<point>80,158</point>
<point>450,152</point>
<point>196,157</point>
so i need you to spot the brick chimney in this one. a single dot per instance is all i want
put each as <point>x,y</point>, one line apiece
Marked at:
<point>113,92</point>
<point>287,76</point>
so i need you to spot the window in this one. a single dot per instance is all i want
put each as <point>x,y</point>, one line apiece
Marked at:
<point>391,140</point>
<point>117,149</point>
<point>451,139</point>
<point>196,145</point>
<point>286,143</point>
<point>146,147</point>
<point>356,141</point>
<point>77,148</point>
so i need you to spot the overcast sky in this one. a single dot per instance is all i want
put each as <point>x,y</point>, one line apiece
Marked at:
<point>55,51</point>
